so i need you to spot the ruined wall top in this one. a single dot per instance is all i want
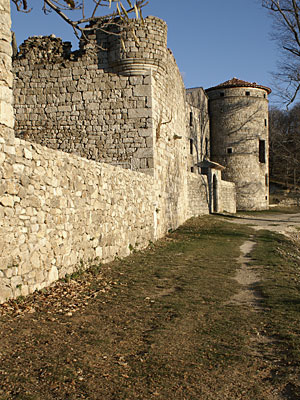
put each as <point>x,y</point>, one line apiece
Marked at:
<point>39,49</point>
<point>130,50</point>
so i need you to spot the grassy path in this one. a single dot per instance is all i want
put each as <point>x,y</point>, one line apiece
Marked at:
<point>161,325</point>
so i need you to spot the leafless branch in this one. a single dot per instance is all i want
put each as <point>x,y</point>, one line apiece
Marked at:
<point>63,9</point>
<point>286,33</point>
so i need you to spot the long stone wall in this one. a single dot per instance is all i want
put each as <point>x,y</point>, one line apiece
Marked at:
<point>58,211</point>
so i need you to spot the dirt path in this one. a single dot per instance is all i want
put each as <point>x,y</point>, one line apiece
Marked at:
<point>275,222</point>
<point>248,278</point>
<point>260,344</point>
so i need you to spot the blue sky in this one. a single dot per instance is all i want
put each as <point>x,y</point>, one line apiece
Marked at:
<point>212,40</point>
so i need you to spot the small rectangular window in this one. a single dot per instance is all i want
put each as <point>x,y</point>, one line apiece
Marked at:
<point>191,119</point>
<point>222,94</point>
<point>191,146</point>
<point>229,150</point>
<point>266,122</point>
<point>262,151</point>
<point>192,169</point>
<point>247,93</point>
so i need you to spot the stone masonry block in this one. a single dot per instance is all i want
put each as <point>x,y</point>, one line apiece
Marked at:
<point>139,113</point>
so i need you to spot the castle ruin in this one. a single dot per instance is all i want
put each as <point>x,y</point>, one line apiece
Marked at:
<point>110,151</point>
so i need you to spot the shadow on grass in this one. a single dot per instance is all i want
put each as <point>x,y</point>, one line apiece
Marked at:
<point>291,391</point>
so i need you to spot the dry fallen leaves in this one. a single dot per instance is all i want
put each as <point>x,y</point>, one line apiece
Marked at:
<point>64,297</point>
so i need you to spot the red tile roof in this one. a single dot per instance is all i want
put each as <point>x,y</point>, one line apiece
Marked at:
<point>234,82</point>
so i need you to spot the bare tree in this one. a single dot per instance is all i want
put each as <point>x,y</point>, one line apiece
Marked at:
<point>284,129</point>
<point>79,14</point>
<point>199,122</point>
<point>286,33</point>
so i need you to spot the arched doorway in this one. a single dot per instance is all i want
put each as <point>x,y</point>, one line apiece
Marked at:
<point>215,194</point>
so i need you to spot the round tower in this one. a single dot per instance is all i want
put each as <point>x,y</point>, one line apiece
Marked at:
<point>130,49</point>
<point>239,139</point>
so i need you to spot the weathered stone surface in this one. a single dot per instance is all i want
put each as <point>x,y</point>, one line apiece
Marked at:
<point>6,77</point>
<point>53,275</point>
<point>5,293</point>
<point>7,200</point>
<point>101,116</point>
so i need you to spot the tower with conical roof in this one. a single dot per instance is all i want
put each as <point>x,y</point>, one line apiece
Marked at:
<point>239,139</point>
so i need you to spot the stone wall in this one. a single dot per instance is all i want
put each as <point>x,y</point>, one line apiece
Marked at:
<point>59,211</point>
<point>98,104</point>
<point>227,197</point>
<point>6,80</point>
<point>72,104</point>
<point>198,194</point>
<point>172,134</point>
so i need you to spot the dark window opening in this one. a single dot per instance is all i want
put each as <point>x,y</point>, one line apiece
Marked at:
<point>262,151</point>
<point>215,194</point>
<point>266,122</point>
<point>266,197</point>
<point>229,150</point>
<point>206,146</point>
<point>247,93</point>
<point>191,146</point>
<point>222,94</point>
<point>264,96</point>
<point>267,179</point>
<point>191,119</point>
<point>192,169</point>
